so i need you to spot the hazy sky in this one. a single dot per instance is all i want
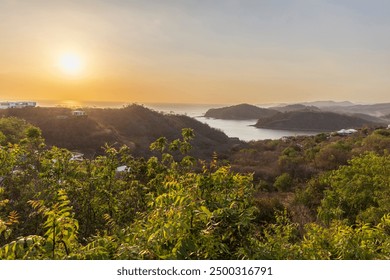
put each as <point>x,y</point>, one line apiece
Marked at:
<point>220,51</point>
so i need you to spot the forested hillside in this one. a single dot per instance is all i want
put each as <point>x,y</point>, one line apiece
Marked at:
<point>319,197</point>
<point>240,112</point>
<point>133,125</point>
<point>313,121</point>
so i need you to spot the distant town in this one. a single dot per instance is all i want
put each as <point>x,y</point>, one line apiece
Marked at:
<point>17,104</point>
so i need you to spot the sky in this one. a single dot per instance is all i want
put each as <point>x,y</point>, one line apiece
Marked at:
<point>178,51</point>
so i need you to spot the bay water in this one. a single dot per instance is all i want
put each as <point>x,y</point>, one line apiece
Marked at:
<point>242,129</point>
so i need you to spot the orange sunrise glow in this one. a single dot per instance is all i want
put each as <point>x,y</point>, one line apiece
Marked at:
<point>198,52</point>
<point>194,139</point>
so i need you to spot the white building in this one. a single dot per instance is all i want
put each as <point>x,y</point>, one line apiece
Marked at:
<point>122,168</point>
<point>79,113</point>
<point>77,156</point>
<point>346,131</point>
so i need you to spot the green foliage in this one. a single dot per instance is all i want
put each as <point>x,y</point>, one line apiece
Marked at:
<point>193,215</point>
<point>13,130</point>
<point>283,182</point>
<point>58,240</point>
<point>266,208</point>
<point>60,226</point>
<point>29,247</point>
<point>359,191</point>
<point>383,132</point>
<point>278,240</point>
<point>281,240</point>
<point>379,141</point>
<point>341,241</point>
<point>183,145</point>
<point>6,223</point>
<point>3,138</point>
<point>320,137</point>
<point>333,155</point>
<point>173,206</point>
<point>290,160</point>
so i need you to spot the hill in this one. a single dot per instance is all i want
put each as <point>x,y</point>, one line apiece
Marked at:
<point>329,103</point>
<point>240,112</point>
<point>143,126</point>
<point>312,121</point>
<point>134,126</point>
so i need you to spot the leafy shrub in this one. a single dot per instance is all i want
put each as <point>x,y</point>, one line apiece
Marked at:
<point>284,182</point>
<point>359,191</point>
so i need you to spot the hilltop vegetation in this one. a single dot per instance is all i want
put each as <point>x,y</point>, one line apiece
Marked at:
<point>315,197</point>
<point>296,107</point>
<point>329,116</point>
<point>240,112</point>
<point>312,121</point>
<point>133,125</point>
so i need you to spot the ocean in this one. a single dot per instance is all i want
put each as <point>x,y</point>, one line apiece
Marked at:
<point>242,129</point>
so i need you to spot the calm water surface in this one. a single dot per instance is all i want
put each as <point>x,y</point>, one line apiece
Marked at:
<point>247,132</point>
<point>243,129</point>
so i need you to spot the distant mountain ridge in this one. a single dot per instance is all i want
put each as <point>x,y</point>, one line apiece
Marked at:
<point>328,103</point>
<point>377,110</point>
<point>296,107</point>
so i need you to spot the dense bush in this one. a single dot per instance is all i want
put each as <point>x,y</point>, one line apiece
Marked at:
<point>117,206</point>
<point>359,192</point>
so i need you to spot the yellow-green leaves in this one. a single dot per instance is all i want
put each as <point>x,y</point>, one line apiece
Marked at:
<point>359,191</point>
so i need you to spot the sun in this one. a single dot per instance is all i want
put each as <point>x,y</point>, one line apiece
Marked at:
<point>71,64</point>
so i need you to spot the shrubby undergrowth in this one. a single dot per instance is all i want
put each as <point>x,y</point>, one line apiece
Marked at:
<point>54,205</point>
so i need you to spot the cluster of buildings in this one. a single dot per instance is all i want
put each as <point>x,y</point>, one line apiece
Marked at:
<point>17,104</point>
<point>24,104</point>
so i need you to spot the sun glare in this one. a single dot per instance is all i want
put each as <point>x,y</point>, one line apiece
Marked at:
<point>71,64</point>
<point>70,104</point>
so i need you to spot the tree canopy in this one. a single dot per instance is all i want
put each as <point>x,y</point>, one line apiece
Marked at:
<point>54,205</point>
